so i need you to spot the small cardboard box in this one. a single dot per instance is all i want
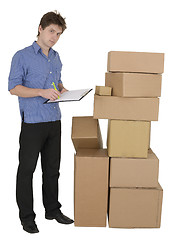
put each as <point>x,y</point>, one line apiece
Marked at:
<point>134,84</point>
<point>103,90</point>
<point>91,187</point>
<point>135,207</point>
<point>111,107</point>
<point>134,172</point>
<point>86,133</point>
<point>144,62</point>
<point>128,139</point>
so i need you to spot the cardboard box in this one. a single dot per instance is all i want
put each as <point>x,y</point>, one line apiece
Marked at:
<point>86,133</point>
<point>134,84</point>
<point>103,90</point>
<point>134,172</point>
<point>128,138</point>
<point>135,207</point>
<point>91,187</point>
<point>135,62</point>
<point>111,107</point>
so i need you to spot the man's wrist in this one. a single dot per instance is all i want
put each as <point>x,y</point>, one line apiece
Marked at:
<point>40,91</point>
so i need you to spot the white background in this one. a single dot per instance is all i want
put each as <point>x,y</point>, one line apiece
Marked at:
<point>94,27</point>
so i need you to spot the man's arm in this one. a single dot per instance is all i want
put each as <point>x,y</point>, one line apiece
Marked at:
<point>61,88</point>
<point>26,92</point>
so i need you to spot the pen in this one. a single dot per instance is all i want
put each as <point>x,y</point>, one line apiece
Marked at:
<point>55,87</point>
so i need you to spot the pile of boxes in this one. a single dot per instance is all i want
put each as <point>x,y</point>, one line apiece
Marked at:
<point>122,179</point>
<point>91,173</point>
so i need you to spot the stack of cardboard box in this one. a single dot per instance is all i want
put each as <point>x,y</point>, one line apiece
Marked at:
<point>135,194</point>
<point>91,168</point>
<point>130,100</point>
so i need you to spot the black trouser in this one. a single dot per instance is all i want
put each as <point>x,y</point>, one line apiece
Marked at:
<point>44,138</point>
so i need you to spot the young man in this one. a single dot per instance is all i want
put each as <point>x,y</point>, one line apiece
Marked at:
<point>34,69</point>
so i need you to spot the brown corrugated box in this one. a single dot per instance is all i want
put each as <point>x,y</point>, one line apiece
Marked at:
<point>134,84</point>
<point>128,138</point>
<point>144,62</point>
<point>111,107</point>
<point>86,133</point>
<point>134,172</point>
<point>103,90</point>
<point>91,187</point>
<point>135,207</point>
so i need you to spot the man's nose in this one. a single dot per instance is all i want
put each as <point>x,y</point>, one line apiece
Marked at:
<point>56,37</point>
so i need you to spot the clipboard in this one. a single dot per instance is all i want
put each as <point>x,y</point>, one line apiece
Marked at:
<point>69,96</point>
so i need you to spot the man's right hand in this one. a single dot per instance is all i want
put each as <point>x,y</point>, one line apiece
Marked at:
<point>50,93</point>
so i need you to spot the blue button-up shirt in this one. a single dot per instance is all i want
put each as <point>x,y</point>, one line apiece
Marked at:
<point>33,69</point>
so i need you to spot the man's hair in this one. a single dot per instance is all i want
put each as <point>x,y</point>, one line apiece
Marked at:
<point>52,18</point>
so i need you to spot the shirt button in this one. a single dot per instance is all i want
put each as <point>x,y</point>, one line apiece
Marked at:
<point>49,60</point>
<point>50,72</point>
<point>54,107</point>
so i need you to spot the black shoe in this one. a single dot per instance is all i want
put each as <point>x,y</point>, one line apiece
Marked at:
<point>30,227</point>
<point>59,217</point>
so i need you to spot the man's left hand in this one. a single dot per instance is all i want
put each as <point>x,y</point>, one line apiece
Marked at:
<point>63,90</point>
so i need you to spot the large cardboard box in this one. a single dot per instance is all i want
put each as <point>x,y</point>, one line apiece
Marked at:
<point>103,90</point>
<point>128,139</point>
<point>134,84</point>
<point>111,107</point>
<point>91,187</point>
<point>86,133</point>
<point>134,172</point>
<point>144,62</point>
<point>135,207</point>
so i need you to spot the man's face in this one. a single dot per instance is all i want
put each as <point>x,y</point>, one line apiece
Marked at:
<point>50,35</point>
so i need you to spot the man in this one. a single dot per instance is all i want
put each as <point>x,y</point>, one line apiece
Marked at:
<point>34,71</point>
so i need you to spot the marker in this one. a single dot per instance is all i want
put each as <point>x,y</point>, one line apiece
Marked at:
<point>55,87</point>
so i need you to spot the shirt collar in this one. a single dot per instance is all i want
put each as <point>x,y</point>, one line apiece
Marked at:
<point>37,48</point>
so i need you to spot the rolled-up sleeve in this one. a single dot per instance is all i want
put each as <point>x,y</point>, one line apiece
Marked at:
<point>59,78</point>
<point>60,68</point>
<point>16,72</point>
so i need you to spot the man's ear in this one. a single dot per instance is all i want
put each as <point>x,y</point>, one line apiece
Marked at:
<point>40,29</point>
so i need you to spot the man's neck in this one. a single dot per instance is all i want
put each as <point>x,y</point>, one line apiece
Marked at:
<point>44,49</point>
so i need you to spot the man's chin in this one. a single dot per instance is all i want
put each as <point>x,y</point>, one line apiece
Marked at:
<point>51,43</point>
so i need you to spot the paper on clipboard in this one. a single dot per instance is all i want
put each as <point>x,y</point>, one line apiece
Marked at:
<point>73,95</point>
